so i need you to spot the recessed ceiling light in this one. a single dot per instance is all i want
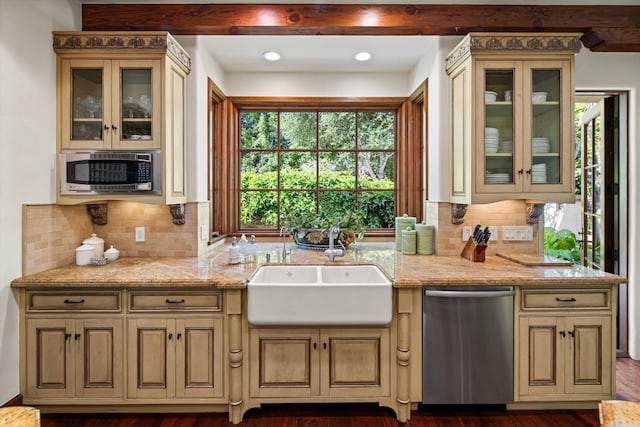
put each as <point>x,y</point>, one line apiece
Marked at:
<point>363,56</point>
<point>271,56</point>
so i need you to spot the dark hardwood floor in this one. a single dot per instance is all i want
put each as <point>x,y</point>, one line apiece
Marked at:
<point>628,388</point>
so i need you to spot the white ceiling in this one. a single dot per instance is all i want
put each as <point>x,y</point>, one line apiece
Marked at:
<point>397,54</point>
<point>392,54</point>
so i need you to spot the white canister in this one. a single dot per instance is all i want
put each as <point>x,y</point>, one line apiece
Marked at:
<point>97,243</point>
<point>84,254</point>
<point>111,254</point>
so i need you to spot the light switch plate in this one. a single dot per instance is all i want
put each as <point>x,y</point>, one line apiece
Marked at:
<point>140,234</point>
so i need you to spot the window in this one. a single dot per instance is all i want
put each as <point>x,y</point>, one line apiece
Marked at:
<point>271,156</point>
<point>310,162</point>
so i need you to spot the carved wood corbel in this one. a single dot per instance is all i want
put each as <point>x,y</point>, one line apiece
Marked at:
<point>177,213</point>
<point>458,211</point>
<point>98,213</point>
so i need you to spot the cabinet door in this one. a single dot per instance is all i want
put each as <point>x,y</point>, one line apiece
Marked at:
<point>174,127</point>
<point>354,362</point>
<point>548,126</point>
<point>199,358</point>
<point>151,359</point>
<point>589,356</point>
<point>99,358</point>
<point>541,365</point>
<point>283,363</point>
<point>49,359</point>
<point>137,104</point>
<point>85,104</point>
<point>498,127</point>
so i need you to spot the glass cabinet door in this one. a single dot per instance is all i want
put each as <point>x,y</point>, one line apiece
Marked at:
<point>546,140</point>
<point>136,112</point>
<point>545,127</point>
<point>85,109</point>
<point>498,132</point>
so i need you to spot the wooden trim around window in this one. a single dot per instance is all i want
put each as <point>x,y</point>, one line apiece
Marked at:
<point>225,161</point>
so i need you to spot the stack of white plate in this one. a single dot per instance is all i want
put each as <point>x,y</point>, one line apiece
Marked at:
<point>491,138</point>
<point>505,147</point>
<point>497,178</point>
<point>540,145</point>
<point>539,173</point>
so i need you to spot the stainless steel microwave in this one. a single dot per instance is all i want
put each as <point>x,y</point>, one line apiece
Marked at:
<point>110,172</point>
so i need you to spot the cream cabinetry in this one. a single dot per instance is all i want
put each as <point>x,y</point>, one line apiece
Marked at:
<point>512,128</point>
<point>178,354</point>
<point>75,346</point>
<point>123,91</point>
<point>316,363</point>
<point>565,348</point>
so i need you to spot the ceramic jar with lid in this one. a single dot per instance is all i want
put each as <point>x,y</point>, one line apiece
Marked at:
<point>84,254</point>
<point>111,254</point>
<point>97,243</point>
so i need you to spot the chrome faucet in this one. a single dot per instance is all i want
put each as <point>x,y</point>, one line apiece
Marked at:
<point>285,252</point>
<point>331,253</point>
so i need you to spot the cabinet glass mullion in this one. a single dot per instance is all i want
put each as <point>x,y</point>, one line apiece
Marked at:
<point>499,126</point>
<point>545,126</point>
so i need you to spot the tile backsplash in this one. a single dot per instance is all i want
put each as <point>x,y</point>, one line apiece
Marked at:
<point>52,232</point>
<point>510,212</point>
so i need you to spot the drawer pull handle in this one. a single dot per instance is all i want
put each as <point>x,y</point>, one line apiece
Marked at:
<point>174,301</point>
<point>572,299</point>
<point>70,301</point>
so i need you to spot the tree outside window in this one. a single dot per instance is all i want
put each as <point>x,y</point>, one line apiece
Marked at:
<point>316,162</point>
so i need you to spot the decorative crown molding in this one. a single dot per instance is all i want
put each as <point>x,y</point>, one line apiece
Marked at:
<point>156,40</point>
<point>514,42</point>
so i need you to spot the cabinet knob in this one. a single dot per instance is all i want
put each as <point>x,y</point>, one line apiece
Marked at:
<point>521,171</point>
<point>106,129</point>
<point>179,335</point>
<point>563,334</point>
<point>67,336</point>
<point>77,337</point>
<point>114,128</point>
<point>529,171</point>
<point>572,333</point>
<point>170,337</point>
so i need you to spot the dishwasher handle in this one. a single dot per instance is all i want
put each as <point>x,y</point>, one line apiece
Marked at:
<point>469,294</point>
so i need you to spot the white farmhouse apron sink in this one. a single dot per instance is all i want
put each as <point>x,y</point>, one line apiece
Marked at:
<point>319,295</point>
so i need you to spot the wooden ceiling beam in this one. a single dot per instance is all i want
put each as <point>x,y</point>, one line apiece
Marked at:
<point>608,28</point>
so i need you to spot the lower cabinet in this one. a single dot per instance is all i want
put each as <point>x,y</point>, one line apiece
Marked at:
<point>69,358</point>
<point>566,345</point>
<point>311,362</point>
<point>175,358</point>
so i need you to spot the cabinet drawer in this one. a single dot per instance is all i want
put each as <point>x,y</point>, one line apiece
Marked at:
<point>179,301</point>
<point>73,301</point>
<point>534,299</point>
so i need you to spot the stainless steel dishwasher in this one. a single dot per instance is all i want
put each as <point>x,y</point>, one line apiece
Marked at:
<point>467,350</point>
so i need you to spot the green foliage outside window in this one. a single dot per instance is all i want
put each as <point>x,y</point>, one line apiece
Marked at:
<point>316,162</point>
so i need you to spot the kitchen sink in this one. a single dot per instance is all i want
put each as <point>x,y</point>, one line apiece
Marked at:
<point>319,295</point>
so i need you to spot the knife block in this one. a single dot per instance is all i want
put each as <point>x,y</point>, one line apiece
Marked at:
<point>473,252</point>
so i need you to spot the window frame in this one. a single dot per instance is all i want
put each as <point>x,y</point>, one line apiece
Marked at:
<point>225,156</point>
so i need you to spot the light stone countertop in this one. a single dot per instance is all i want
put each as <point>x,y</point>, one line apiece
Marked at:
<point>406,271</point>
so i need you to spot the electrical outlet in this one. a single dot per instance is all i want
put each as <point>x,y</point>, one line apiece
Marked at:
<point>494,232</point>
<point>466,233</point>
<point>521,232</point>
<point>140,234</point>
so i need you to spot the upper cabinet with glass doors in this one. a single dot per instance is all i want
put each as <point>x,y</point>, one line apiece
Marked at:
<point>512,117</point>
<point>111,104</point>
<point>123,91</point>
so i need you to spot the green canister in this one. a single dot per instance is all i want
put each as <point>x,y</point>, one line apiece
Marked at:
<point>424,239</point>
<point>402,222</point>
<point>408,241</point>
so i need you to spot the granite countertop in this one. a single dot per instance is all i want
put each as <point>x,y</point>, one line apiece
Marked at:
<point>406,271</point>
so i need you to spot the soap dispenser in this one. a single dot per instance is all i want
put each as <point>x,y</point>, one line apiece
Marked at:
<point>234,252</point>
